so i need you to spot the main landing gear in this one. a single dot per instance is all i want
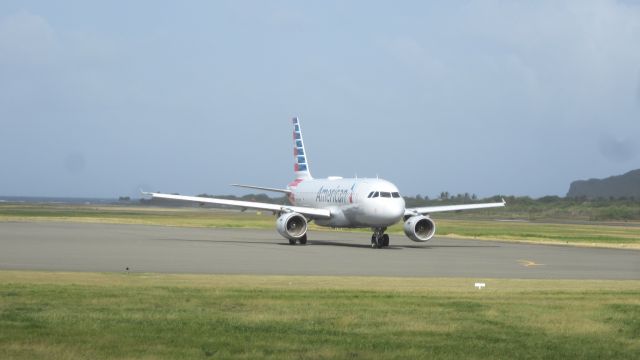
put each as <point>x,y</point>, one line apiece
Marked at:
<point>379,239</point>
<point>302,240</point>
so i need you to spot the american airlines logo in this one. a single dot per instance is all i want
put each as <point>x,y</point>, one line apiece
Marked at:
<point>336,195</point>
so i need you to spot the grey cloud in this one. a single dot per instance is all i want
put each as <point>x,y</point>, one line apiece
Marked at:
<point>617,150</point>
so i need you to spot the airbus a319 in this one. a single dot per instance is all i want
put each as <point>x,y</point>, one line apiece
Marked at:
<point>339,203</point>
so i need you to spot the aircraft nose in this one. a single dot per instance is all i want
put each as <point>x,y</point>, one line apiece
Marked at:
<point>392,211</point>
<point>397,209</point>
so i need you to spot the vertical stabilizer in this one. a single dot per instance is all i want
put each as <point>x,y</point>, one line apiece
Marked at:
<point>300,166</point>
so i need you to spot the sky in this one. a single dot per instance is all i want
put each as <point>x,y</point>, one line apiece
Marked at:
<point>100,99</point>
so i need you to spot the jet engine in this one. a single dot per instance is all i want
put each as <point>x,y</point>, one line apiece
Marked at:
<point>292,226</point>
<point>419,228</point>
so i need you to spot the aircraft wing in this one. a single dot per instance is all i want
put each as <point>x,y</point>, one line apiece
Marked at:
<point>433,209</point>
<point>311,212</point>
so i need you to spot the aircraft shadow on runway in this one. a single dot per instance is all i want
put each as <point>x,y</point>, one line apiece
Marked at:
<point>341,244</point>
<point>395,247</point>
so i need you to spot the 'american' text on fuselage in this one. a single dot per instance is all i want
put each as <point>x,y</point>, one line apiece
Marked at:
<point>337,195</point>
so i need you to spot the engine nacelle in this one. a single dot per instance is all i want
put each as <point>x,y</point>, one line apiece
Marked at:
<point>419,228</point>
<point>292,226</point>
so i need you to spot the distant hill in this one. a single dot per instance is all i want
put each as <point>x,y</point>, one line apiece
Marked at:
<point>621,186</point>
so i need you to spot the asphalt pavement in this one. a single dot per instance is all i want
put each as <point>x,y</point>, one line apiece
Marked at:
<point>113,248</point>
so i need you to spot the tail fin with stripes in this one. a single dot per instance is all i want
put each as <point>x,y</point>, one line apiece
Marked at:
<point>301,165</point>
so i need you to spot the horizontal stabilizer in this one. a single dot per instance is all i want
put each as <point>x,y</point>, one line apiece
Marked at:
<point>284,191</point>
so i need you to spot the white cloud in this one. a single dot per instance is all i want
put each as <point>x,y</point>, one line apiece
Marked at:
<point>26,38</point>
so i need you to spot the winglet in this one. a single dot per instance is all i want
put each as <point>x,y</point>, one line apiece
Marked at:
<point>504,202</point>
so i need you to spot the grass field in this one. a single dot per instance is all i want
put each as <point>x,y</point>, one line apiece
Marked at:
<point>595,234</point>
<point>144,316</point>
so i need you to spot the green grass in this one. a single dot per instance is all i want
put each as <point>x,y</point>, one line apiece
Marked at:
<point>593,234</point>
<point>143,316</point>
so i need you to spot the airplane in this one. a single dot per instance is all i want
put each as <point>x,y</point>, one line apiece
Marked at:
<point>338,202</point>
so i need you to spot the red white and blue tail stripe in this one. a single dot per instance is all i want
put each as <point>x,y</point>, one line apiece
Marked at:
<point>300,166</point>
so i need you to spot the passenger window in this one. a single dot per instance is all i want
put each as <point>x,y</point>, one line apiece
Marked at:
<point>395,194</point>
<point>385,194</point>
<point>375,194</point>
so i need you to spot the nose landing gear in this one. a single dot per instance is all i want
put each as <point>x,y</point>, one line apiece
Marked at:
<point>379,239</point>
<point>302,240</point>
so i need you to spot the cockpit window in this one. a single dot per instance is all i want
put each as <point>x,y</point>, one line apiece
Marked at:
<point>375,194</point>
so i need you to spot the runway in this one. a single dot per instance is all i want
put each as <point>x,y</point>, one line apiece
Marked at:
<point>113,248</point>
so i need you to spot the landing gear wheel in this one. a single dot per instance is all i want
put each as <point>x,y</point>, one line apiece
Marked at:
<point>292,241</point>
<point>379,239</point>
<point>303,240</point>
<point>375,243</point>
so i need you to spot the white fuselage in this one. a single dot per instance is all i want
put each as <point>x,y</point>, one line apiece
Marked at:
<point>352,202</point>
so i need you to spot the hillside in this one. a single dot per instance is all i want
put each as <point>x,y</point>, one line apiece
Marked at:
<point>620,186</point>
